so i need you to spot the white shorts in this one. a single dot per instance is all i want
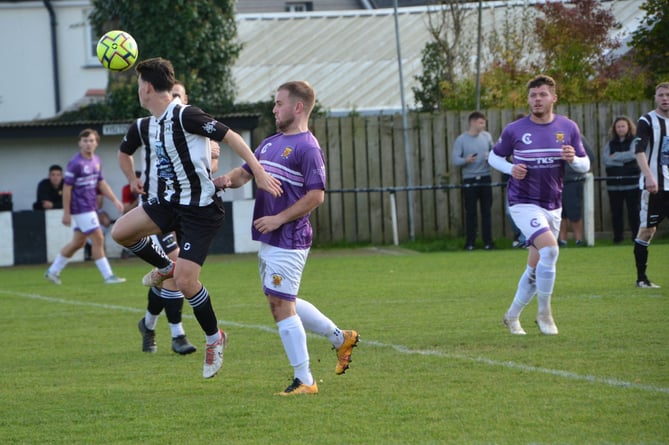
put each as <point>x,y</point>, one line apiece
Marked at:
<point>87,222</point>
<point>533,220</point>
<point>281,270</point>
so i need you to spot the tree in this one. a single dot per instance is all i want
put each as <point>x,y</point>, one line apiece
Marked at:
<point>511,49</point>
<point>445,58</point>
<point>574,41</point>
<point>197,36</point>
<point>650,41</point>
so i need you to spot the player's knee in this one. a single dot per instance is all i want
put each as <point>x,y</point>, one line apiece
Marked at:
<point>548,255</point>
<point>646,234</point>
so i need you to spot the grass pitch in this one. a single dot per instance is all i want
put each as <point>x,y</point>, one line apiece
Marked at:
<point>434,364</point>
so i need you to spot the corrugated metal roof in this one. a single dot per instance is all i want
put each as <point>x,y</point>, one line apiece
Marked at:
<point>350,56</point>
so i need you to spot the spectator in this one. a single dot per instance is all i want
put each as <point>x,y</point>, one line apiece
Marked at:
<point>622,173</point>
<point>128,198</point>
<point>572,200</point>
<point>470,151</point>
<point>50,190</point>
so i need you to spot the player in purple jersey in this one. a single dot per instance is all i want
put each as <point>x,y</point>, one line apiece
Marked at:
<point>540,144</point>
<point>652,155</point>
<point>83,178</point>
<point>282,226</point>
<point>186,201</point>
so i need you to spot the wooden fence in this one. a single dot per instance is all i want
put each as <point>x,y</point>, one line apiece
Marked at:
<point>366,158</point>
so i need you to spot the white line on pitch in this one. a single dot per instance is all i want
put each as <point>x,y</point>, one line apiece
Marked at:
<point>398,348</point>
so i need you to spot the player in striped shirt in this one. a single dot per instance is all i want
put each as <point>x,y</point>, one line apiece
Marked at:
<point>186,202</point>
<point>652,155</point>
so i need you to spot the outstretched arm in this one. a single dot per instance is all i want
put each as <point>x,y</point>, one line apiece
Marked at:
<point>263,179</point>
<point>233,179</point>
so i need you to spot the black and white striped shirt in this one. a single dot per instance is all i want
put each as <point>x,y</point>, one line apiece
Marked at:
<point>177,158</point>
<point>653,139</point>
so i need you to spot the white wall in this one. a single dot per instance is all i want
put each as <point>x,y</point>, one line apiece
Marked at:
<point>25,162</point>
<point>27,90</point>
<point>6,239</point>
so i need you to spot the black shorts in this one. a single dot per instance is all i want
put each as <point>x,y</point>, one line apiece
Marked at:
<point>196,227</point>
<point>572,201</point>
<point>654,208</point>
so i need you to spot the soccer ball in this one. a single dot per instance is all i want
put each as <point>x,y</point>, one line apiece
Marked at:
<point>117,50</point>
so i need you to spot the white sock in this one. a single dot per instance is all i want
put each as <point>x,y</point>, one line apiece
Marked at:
<point>104,267</point>
<point>58,264</point>
<point>211,339</point>
<point>150,320</point>
<point>524,293</point>
<point>546,277</point>
<point>177,329</point>
<point>314,321</point>
<point>294,341</point>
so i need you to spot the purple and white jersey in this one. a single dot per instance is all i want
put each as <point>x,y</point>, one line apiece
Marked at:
<point>297,161</point>
<point>83,175</point>
<point>539,147</point>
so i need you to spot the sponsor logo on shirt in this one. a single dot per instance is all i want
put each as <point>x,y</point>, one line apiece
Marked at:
<point>209,127</point>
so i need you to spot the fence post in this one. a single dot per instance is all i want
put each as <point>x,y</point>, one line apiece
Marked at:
<point>589,209</point>
<point>393,216</point>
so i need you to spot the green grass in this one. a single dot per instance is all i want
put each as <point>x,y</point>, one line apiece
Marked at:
<point>434,364</point>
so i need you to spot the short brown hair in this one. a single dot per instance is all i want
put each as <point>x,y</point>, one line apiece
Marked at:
<point>302,91</point>
<point>662,85</point>
<point>540,80</point>
<point>88,132</point>
<point>158,72</point>
<point>475,115</point>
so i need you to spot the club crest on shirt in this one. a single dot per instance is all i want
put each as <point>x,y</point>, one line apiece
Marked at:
<point>276,280</point>
<point>209,127</point>
<point>559,137</point>
<point>286,152</point>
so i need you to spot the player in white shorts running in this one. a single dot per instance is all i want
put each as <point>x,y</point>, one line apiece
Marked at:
<point>540,144</point>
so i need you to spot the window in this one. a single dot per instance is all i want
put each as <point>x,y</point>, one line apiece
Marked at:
<point>299,6</point>
<point>91,42</point>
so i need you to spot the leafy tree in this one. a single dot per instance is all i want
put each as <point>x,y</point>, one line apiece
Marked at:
<point>510,48</point>
<point>574,41</point>
<point>197,36</point>
<point>651,39</point>
<point>446,57</point>
<point>570,41</point>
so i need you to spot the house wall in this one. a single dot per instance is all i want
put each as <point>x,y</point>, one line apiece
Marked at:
<point>27,90</point>
<point>260,6</point>
<point>25,162</point>
<point>29,237</point>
